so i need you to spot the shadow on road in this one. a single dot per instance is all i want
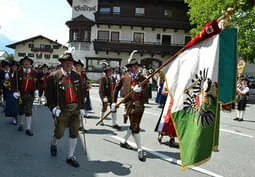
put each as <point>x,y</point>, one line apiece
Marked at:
<point>175,155</point>
<point>116,168</point>
<point>100,131</point>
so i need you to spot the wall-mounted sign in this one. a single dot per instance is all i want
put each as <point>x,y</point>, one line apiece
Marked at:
<point>84,8</point>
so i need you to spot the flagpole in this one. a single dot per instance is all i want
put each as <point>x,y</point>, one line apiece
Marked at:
<point>225,19</point>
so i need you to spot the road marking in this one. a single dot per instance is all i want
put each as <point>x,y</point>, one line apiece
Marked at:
<point>236,133</point>
<point>169,159</point>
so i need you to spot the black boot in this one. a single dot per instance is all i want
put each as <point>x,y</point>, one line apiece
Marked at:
<point>73,162</point>
<point>29,132</point>
<point>125,145</point>
<point>117,127</point>
<point>53,150</point>
<point>141,156</point>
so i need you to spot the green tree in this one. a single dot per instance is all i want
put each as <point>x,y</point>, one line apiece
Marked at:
<point>202,11</point>
<point>10,57</point>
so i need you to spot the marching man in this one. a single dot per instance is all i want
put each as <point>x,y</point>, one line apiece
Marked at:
<point>134,104</point>
<point>27,89</point>
<point>65,99</point>
<point>78,68</point>
<point>105,93</point>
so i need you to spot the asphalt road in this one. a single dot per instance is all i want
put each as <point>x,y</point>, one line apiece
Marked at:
<point>24,156</point>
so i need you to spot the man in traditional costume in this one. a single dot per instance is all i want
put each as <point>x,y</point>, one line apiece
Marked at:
<point>242,91</point>
<point>106,88</point>
<point>65,99</point>
<point>43,75</point>
<point>26,87</point>
<point>78,68</point>
<point>134,104</point>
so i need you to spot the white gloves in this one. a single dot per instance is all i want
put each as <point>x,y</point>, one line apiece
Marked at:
<point>113,107</point>
<point>105,100</point>
<point>137,89</point>
<point>36,93</point>
<point>56,111</point>
<point>82,113</point>
<point>16,95</point>
<point>6,76</point>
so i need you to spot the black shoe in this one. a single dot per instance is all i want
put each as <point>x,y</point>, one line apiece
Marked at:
<point>20,128</point>
<point>29,132</point>
<point>141,156</point>
<point>240,119</point>
<point>102,124</point>
<point>73,162</point>
<point>116,127</point>
<point>236,119</point>
<point>125,145</point>
<point>82,129</point>
<point>53,150</point>
<point>160,136</point>
<point>172,143</point>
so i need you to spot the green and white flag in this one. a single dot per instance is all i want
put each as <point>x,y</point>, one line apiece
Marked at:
<point>193,82</point>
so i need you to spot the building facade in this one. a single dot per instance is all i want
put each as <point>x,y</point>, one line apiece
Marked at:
<point>111,29</point>
<point>39,48</point>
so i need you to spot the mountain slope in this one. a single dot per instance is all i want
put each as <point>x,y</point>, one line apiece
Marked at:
<point>4,40</point>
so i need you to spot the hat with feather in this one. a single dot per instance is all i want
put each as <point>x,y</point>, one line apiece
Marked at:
<point>106,66</point>
<point>131,60</point>
<point>68,55</point>
<point>79,62</point>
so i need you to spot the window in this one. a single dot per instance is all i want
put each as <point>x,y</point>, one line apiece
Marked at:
<point>47,46</point>
<point>138,37</point>
<point>187,39</point>
<point>94,64</point>
<point>166,40</point>
<point>86,35</point>
<point>55,46</point>
<point>103,35</point>
<point>47,56</point>
<point>116,10</point>
<point>31,46</point>
<point>139,11</point>
<point>115,36</point>
<point>42,46</point>
<point>105,10</point>
<point>31,55</point>
<point>38,55</point>
<point>54,56</point>
<point>168,13</point>
<point>21,54</point>
<point>75,35</point>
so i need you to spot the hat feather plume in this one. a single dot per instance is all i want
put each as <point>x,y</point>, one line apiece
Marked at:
<point>104,63</point>
<point>70,50</point>
<point>131,55</point>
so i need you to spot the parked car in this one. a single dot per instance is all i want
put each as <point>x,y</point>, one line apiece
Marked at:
<point>251,98</point>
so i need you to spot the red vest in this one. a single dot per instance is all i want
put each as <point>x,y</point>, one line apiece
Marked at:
<point>28,83</point>
<point>70,93</point>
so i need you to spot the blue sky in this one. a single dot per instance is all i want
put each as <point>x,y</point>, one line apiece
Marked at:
<point>22,19</point>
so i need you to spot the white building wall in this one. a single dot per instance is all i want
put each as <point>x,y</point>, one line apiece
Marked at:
<point>24,48</point>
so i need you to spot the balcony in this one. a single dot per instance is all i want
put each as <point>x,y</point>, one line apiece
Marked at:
<point>142,21</point>
<point>143,48</point>
<point>38,49</point>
